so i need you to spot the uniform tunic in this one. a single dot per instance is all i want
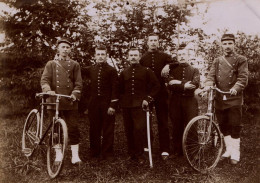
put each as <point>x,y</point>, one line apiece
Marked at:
<point>183,106</point>
<point>64,77</point>
<point>227,76</point>
<point>104,94</point>
<point>156,61</point>
<point>136,83</point>
<point>226,73</point>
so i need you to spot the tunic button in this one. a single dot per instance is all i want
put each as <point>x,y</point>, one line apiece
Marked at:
<point>58,86</point>
<point>230,76</point>
<point>57,70</point>
<point>68,70</point>
<point>68,86</point>
<point>68,65</point>
<point>219,76</point>
<point>58,81</point>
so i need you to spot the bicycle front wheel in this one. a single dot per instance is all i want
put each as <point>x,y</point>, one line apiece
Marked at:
<point>202,144</point>
<point>31,132</point>
<point>56,149</point>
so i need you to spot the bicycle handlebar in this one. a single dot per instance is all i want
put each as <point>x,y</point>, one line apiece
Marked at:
<point>220,91</point>
<point>52,95</point>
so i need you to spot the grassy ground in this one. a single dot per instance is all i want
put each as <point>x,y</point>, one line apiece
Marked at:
<point>15,167</point>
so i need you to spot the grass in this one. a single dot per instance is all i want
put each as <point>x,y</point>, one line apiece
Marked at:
<point>15,167</point>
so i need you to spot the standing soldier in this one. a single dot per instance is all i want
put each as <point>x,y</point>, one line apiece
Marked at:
<point>183,106</point>
<point>229,73</point>
<point>63,76</point>
<point>138,86</point>
<point>158,62</point>
<point>102,104</point>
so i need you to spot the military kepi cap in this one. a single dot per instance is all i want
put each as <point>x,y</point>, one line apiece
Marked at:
<point>64,40</point>
<point>228,37</point>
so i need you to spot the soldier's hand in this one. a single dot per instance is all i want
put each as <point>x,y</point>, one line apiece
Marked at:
<point>111,111</point>
<point>73,97</point>
<point>51,92</point>
<point>189,86</point>
<point>145,105</point>
<point>165,71</point>
<point>233,91</point>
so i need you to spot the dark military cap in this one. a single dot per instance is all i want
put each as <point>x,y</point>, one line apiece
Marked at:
<point>182,46</point>
<point>228,37</point>
<point>64,40</point>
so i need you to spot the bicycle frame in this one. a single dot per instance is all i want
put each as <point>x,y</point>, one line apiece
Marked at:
<point>210,112</point>
<point>211,108</point>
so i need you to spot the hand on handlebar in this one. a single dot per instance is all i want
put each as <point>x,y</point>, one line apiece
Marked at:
<point>51,92</point>
<point>233,91</point>
<point>73,98</point>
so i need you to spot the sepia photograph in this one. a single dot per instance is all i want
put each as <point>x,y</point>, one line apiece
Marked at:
<point>156,91</point>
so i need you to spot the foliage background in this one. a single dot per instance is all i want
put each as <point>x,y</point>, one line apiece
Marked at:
<point>34,27</point>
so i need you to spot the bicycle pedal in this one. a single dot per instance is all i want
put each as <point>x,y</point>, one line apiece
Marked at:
<point>27,151</point>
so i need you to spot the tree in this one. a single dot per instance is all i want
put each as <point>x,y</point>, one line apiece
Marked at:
<point>31,33</point>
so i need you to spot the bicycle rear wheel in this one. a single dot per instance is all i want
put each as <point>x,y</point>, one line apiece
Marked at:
<point>31,132</point>
<point>57,145</point>
<point>202,146</point>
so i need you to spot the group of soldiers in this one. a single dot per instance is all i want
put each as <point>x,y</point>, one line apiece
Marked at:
<point>152,79</point>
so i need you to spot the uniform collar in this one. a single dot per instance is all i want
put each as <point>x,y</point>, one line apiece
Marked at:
<point>57,57</point>
<point>154,51</point>
<point>184,64</point>
<point>135,65</point>
<point>230,55</point>
<point>103,64</point>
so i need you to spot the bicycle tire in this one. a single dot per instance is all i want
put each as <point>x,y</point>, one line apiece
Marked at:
<point>203,155</point>
<point>58,139</point>
<point>30,132</point>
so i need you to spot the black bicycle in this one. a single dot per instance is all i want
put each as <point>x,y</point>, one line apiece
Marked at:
<point>202,141</point>
<point>56,131</point>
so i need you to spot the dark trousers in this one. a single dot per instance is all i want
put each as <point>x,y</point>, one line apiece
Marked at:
<point>71,119</point>
<point>161,108</point>
<point>101,125</point>
<point>135,126</point>
<point>182,109</point>
<point>230,121</point>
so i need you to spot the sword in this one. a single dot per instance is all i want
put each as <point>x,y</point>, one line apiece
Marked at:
<point>149,138</point>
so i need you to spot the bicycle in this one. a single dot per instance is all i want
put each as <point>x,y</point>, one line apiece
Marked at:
<point>57,131</point>
<point>202,141</point>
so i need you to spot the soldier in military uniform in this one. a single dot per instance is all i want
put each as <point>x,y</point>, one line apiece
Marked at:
<point>63,76</point>
<point>183,106</point>
<point>158,62</point>
<point>138,86</point>
<point>102,105</point>
<point>229,73</point>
